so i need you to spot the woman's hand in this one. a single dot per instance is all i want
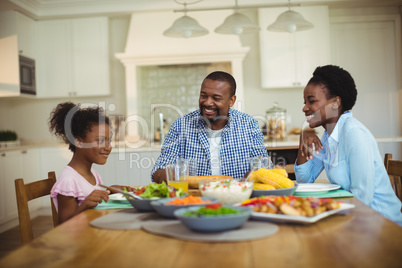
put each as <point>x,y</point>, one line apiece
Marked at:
<point>309,142</point>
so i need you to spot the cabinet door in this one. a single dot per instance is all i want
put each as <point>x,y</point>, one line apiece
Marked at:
<point>31,172</point>
<point>54,61</point>
<point>12,170</point>
<point>90,56</point>
<point>289,59</point>
<point>54,159</point>
<point>2,188</point>
<point>26,33</point>
<point>140,167</point>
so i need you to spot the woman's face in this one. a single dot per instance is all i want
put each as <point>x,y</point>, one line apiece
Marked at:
<point>318,108</point>
<point>95,147</point>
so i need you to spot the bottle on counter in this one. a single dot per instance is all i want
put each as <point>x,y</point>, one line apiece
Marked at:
<point>276,122</point>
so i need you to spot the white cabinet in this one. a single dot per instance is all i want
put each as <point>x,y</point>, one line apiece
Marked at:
<point>13,165</point>
<point>289,59</point>
<point>73,57</point>
<point>17,36</point>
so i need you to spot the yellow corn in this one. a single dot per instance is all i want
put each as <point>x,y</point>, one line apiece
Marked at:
<point>254,177</point>
<point>280,171</point>
<point>267,176</point>
<point>263,186</point>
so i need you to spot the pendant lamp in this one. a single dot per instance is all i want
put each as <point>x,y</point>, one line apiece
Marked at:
<point>237,23</point>
<point>185,27</point>
<point>290,21</point>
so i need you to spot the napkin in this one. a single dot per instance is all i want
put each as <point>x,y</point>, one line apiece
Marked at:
<point>329,194</point>
<point>113,205</point>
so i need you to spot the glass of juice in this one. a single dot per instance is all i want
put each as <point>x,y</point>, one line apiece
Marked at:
<point>177,174</point>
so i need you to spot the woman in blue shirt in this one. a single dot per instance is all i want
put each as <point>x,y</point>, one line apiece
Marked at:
<point>347,150</point>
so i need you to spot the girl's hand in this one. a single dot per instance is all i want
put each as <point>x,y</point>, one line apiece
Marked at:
<point>309,142</point>
<point>96,197</point>
<point>127,188</point>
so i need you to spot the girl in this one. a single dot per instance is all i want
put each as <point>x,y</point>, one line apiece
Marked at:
<point>88,134</point>
<point>347,150</point>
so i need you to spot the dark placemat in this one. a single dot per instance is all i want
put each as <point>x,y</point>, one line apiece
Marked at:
<point>126,219</point>
<point>249,231</point>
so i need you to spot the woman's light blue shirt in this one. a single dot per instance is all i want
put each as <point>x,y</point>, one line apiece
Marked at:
<point>351,159</point>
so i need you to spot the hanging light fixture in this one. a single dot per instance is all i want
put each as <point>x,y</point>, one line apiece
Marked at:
<point>290,21</point>
<point>237,24</point>
<point>185,26</point>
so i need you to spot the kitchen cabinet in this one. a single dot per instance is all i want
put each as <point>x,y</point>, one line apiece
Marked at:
<point>16,164</point>
<point>73,57</point>
<point>17,36</point>
<point>289,59</point>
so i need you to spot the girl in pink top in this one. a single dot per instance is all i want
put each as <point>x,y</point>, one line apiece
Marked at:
<point>87,132</point>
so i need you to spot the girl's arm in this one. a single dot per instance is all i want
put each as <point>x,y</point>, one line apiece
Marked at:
<point>68,205</point>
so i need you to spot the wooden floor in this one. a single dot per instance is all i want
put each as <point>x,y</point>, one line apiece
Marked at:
<point>11,239</point>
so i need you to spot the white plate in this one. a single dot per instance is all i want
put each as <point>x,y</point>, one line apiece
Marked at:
<point>118,198</point>
<point>315,188</point>
<point>280,218</point>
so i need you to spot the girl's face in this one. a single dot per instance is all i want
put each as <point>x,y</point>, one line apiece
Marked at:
<point>318,108</point>
<point>95,147</point>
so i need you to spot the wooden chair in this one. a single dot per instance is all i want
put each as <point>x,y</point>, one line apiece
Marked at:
<point>394,170</point>
<point>30,191</point>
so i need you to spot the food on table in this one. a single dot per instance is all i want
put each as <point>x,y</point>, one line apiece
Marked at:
<point>193,180</point>
<point>228,192</point>
<point>158,190</point>
<point>183,185</point>
<point>263,186</point>
<point>276,177</point>
<point>191,200</point>
<point>291,205</point>
<point>212,210</point>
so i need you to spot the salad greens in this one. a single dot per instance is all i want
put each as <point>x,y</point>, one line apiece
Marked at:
<point>205,212</point>
<point>161,190</point>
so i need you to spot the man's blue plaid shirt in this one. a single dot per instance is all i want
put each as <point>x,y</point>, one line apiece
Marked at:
<point>187,138</point>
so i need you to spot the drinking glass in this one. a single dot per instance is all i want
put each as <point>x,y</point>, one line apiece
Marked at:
<point>265,162</point>
<point>177,174</point>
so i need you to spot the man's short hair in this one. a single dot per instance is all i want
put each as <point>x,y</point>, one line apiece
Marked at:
<point>224,77</point>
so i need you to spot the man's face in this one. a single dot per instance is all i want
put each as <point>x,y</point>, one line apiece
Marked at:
<point>215,101</point>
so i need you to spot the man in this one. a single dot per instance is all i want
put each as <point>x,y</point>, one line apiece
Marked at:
<point>220,139</point>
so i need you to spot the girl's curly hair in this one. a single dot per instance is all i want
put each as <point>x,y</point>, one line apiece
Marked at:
<point>70,121</point>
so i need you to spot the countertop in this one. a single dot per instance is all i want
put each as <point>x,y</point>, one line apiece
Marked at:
<point>290,142</point>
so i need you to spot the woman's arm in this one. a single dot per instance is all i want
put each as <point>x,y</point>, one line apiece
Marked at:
<point>68,205</point>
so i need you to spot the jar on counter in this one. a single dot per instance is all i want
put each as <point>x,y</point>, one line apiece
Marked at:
<point>276,122</point>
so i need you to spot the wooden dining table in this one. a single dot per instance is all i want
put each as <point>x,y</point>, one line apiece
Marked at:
<point>359,237</point>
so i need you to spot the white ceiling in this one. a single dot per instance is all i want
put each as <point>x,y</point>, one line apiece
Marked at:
<point>44,9</point>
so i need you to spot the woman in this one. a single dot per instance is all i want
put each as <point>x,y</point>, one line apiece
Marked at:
<point>347,150</point>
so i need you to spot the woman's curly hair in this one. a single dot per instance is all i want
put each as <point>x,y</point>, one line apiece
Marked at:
<point>338,82</point>
<point>69,121</point>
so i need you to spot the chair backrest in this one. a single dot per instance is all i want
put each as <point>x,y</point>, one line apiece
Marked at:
<point>394,170</point>
<point>30,191</point>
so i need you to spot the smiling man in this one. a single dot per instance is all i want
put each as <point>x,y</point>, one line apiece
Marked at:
<point>220,139</point>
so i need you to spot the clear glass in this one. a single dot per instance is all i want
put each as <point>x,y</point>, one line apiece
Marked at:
<point>276,122</point>
<point>265,162</point>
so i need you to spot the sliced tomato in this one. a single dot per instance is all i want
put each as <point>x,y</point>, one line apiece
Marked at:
<point>214,206</point>
<point>172,194</point>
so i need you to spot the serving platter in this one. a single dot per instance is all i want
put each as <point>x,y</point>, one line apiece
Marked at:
<point>315,188</point>
<point>281,218</point>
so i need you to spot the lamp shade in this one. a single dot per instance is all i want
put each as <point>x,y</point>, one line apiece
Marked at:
<point>185,27</point>
<point>290,21</point>
<point>237,24</point>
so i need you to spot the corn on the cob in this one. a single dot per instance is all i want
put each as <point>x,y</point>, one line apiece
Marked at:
<point>263,186</point>
<point>267,176</point>
<point>280,171</point>
<point>254,177</point>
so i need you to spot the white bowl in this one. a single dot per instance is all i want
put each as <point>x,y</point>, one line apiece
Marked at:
<point>228,192</point>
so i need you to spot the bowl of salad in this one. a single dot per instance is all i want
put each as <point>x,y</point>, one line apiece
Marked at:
<point>213,217</point>
<point>228,192</point>
<point>167,206</point>
<point>152,192</point>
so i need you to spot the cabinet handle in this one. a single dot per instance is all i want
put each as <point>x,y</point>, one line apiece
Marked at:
<point>24,151</point>
<point>3,154</point>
